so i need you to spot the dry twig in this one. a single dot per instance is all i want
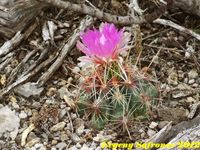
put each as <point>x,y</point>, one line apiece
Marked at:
<point>178,27</point>
<point>16,40</point>
<point>87,21</point>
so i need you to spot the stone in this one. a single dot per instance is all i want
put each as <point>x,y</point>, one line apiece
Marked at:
<point>100,137</point>
<point>59,126</point>
<point>191,81</point>
<point>172,77</point>
<point>64,136</point>
<point>76,70</point>
<point>190,100</point>
<point>75,137</point>
<point>193,74</point>
<point>78,145</point>
<point>79,126</point>
<point>85,147</point>
<point>22,115</point>
<point>62,113</point>
<point>162,124</point>
<point>63,91</point>
<point>9,122</point>
<point>153,125</point>
<point>151,132</point>
<point>54,142</point>
<point>51,91</point>
<point>29,89</point>
<point>39,146</point>
<point>32,142</point>
<point>61,145</point>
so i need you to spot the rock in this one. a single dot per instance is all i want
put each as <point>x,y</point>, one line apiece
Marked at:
<point>59,126</point>
<point>39,146</point>
<point>195,85</point>
<point>173,114</point>
<point>29,89</point>
<point>193,74</point>
<point>51,91</point>
<point>63,91</point>
<point>15,105</point>
<point>191,81</point>
<point>153,125</point>
<point>180,74</point>
<point>36,105</point>
<point>162,124</point>
<point>100,137</point>
<point>9,122</point>
<point>76,70</point>
<point>31,136</point>
<point>151,132</point>
<point>85,147</point>
<point>185,80</point>
<point>94,145</point>
<point>63,112</point>
<point>64,136</point>
<point>73,116</point>
<point>32,142</point>
<point>73,148</point>
<point>75,137</point>
<point>78,145</point>
<point>79,126</point>
<point>178,94</point>
<point>61,145</point>
<point>66,24</point>
<point>22,115</point>
<point>54,142</point>
<point>190,100</point>
<point>29,112</point>
<point>172,77</point>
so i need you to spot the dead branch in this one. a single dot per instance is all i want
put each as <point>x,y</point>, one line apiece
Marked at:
<point>87,21</point>
<point>189,135</point>
<point>16,40</point>
<point>27,77</point>
<point>18,14</point>
<point>190,6</point>
<point>95,12</point>
<point>14,72</point>
<point>178,27</point>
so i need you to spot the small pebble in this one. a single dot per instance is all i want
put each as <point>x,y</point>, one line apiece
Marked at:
<point>54,142</point>
<point>61,145</point>
<point>75,138</point>
<point>151,132</point>
<point>78,145</point>
<point>190,100</point>
<point>153,125</point>
<point>63,112</point>
<point>63,136</point>
<point>53,148</point>
<point>162,124</point>
<point>22,115</point>
<point>59,126</point>
<point>76,70</point>
<point>193,74</point>
<point>191,81</point>
<point>195,85</point>
<point>39,146</point>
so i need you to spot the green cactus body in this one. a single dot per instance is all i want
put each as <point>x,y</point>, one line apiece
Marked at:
<point>117,94</point>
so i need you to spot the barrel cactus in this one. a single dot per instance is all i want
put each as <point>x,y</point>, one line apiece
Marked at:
<point>114,91</point>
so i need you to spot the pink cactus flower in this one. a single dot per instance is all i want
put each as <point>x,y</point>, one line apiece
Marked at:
<point>104,44</point>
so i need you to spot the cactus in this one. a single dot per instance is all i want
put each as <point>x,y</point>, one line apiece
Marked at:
<point>114,92</point>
